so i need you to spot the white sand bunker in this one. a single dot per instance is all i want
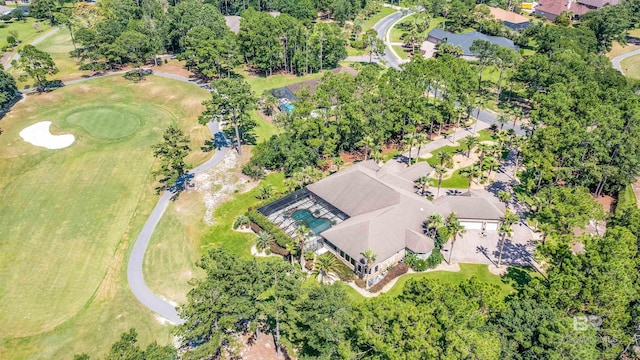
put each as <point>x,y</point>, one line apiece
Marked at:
<point>38,134</point>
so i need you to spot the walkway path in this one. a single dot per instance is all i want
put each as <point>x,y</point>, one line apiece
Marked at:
<point>8,65</point>
<point>618,59</point>
<point>135,274</point>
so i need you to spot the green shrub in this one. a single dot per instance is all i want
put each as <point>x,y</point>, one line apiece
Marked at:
<point>253,171</point>
<point>434,259</point>
<point>309,255</point>
<point>268,251</point>
<point>265,224</point>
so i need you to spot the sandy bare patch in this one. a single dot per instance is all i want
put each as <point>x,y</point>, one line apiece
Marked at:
<point>218,184</point>
<point>38,134</point>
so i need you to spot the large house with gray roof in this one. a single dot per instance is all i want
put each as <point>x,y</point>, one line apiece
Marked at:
<point>465,40</point>
<point>378,208</point>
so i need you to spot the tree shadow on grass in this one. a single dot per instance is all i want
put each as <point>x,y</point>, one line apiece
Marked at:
<point>518,277</point>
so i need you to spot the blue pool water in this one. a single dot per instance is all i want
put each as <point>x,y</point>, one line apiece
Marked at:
<point>315,224</point>
<point>288,108</point>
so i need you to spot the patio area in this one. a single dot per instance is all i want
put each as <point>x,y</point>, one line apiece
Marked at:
<point>303,208</point>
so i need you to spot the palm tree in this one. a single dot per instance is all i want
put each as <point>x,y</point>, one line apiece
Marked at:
<point>444,157</point>
<point>455,229</point>
<point>264,240</point>
<point>434,222</point>
<point>290,247</point>
<point>516,113</point>
<point>503,119</point>
<point>409,140</point>
<point>440,171</point>
<point>265,191</point>
<point>368,144</point>
<point>492,162</point>
<point>325,265</point>
<point>483,148</point>
<point>469,142</point>
<point>423,183</point>
<point>241,221</point>
<point>301,236</point>
<point>505,230</point>
<point>470,173</point>
<point>508,219</point>
<point>421,140</point>
<point>517,144</point>
<point>370,258</point>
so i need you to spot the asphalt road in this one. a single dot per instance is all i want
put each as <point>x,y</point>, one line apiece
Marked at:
<point>382,27</point>
<point>134,270</point>
<point>8,65</point>
<point>615,62</point>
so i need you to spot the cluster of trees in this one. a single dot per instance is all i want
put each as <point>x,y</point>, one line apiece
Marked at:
<point>584,116</point>
<point>239,300</point>
<point>348,113</point>
<point>283,43</point>
<point>339,10</point>
<point>119,32</point>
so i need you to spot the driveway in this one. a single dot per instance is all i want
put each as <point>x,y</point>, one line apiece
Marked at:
<point>475,248</point>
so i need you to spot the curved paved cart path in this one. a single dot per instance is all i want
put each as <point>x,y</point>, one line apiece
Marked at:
<point>135,274</point>
<point>615,62</point>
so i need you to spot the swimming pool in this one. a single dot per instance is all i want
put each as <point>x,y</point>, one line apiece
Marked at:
<point>315,224</point>
<point>287,107</point>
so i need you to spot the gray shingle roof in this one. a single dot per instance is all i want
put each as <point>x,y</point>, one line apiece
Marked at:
<point>386,215</point>
<point>466,40</point>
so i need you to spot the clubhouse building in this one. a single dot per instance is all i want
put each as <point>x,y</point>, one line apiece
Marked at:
<point>377,208</point>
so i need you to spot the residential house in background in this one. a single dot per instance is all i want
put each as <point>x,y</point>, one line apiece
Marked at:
<point>551,9</point>
<point>465,40</point>
<point>510,19</point>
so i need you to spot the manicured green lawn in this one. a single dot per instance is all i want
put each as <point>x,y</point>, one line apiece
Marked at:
<point>260,83</point>
<point>222,235</point>
<point>627,197</point>
<point>483,135</point>
<point>396,32</point>
<point>69,216</point>
<point>631,67</point>
<point>265,129</point>
<point>370,22</point>
<point>456,181</point>
<point>26,32</point>
<point>401,51</point>
<point>356,52</point>
<point>465,273</point>
<point>58,46</point>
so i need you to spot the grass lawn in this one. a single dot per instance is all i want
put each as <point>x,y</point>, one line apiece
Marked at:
<point>396,32</point>
<point>261,83</point>
<point>265,129</point>
<point>627,197</point>
<point>401,51</point>
<point>356,52</point>
<point>483,135</point>
<point>222,235</point>
<point>26,32</point>
<point>631,67</point>
<point>68,216</point>
<point>456,181</point>
<point>465,273</point>
<point>370,22</point>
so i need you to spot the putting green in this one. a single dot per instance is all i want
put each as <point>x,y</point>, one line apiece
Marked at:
<point>105,123</point>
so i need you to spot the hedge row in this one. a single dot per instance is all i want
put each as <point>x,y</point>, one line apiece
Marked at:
<point>265,224</point>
